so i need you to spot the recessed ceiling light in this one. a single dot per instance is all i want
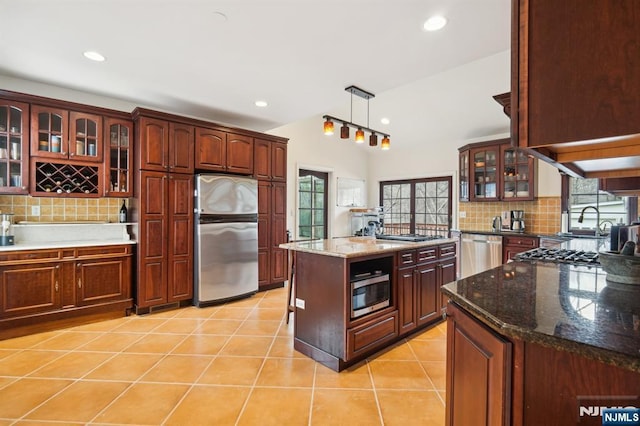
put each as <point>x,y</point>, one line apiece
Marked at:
<point>435,23</point>
<point>385,120</point>
<point>94,56</point>
<point>261,104</point>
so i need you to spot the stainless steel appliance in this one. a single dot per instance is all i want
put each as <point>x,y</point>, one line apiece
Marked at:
<point>517,220</point>
<point>226,238</point>
<point>408,237</point>
<point>370,292</point>
<point>479,252</point>
<point>558,255</point>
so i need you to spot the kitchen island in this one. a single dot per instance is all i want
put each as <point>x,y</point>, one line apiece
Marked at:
<point>540,343</point>
<point>332,324</point>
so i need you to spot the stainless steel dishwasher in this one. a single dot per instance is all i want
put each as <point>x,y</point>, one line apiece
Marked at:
<point>479,253</point>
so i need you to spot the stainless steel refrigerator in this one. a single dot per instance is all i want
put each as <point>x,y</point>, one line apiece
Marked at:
<point>226,238</point>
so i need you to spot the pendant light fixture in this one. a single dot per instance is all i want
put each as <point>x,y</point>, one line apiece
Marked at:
<point>328,127</point>
<point>344,129</point>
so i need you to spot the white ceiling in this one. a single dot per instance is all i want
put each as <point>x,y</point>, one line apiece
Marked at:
<point>298,55</point>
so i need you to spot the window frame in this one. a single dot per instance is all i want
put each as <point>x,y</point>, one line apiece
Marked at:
<point>412,197</point>
<point>325,177</point>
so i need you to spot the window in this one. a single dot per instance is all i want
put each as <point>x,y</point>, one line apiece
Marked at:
<point>312,204</point>
<point>584,194</point>
<point>417,206</point>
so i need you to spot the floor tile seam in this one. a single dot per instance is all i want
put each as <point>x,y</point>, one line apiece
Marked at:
<point>426,373</point>
<point>134,382</point>
<point>375,392</point>
<point>255,380</point>
<point>191,387</point>
<point>313,393</point>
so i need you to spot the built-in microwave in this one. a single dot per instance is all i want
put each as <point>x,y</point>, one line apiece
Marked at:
<point>370,292</point>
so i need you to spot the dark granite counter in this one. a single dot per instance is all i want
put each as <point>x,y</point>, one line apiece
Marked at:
<point>566,307</point>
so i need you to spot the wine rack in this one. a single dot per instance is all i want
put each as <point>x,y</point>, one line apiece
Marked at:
<point>61,178</point>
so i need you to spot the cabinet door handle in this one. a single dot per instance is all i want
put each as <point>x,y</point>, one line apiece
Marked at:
<point>56,286</point>
<point>79,282</point>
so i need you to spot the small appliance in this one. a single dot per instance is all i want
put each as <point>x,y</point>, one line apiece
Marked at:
<point>517,220</point>
<point>496,224</point>
<point>6,229</point>
<point>370,292</point>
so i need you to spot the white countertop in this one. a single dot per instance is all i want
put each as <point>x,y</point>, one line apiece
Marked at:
<point>46,235</point>
<point>358,246</point>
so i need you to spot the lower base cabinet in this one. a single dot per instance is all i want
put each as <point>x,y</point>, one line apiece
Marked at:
<point>478,373</point>
<point>40,287</point>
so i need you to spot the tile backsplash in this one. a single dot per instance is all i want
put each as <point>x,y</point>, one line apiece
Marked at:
<point>541,216</point>
<point>61,209</point>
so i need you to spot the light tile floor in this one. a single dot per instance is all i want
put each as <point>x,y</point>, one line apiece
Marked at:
<point>232,364</point>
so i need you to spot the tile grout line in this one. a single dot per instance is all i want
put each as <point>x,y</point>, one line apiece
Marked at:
<point>264,360</point>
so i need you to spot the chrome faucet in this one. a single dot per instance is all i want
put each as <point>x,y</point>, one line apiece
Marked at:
<point>581,218</point>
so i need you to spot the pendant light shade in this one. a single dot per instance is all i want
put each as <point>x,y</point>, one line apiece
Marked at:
<point>344,131</point>
<point>360,129</point>
<point>328,127</point>
<point>386,143</point>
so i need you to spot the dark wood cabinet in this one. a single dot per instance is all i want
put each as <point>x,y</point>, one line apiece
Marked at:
<point>512,245</point>
<point>495,171</point>
<point>419,276</point>
<point>479,365</point>
<point>58,133</point>
<point>165,145</point>
<point>30,289</point>
<point>575,86</point>
<point>118,159</point>
<point>270,170</point>
<point>220,151</point>
<point>40,288</point>
<point>165,255</point>
<point>14,147</point>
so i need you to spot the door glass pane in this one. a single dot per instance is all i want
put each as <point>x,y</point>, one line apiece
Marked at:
<point>312,209</point>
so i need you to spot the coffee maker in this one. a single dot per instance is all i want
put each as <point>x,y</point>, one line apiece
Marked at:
<point>517,220</point>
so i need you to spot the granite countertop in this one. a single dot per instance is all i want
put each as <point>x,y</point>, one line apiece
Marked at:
<point>358,246</point>
<point>567,307</point>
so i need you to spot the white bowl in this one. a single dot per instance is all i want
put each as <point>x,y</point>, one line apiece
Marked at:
<point>508,193</point>
<point>522,194</point>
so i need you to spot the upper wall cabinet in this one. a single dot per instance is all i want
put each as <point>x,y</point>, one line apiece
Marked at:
<point>165,146</point>
<point>119,157</point>
<point>220,151</point>
<point>575,84</point>
<point>270,160</point>
<point>495,171</point>
<point>61,134</point>
<point>14,148</point>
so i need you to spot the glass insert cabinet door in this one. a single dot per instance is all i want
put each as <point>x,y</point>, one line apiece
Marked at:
<point>118,135</point>
<point>49,132</point>
<point>464,175</point>
<point>85,137</point>
<point>516,173</point>
<point>14,148</point>
<point>485,172</point>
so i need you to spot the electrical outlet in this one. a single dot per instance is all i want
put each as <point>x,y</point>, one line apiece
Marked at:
<point>35,210</point>
<point>299,303</point>
<point>462,214</point>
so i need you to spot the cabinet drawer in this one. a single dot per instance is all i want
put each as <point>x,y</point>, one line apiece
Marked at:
<point>526,242</point>
<point>426,254</point>
<point>372,334</point>
<point>102,250</point>
<point>448,250</point>
<point>30,255</point>
<point>406,257</point>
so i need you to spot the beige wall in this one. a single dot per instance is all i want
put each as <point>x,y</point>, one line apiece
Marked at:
<point>540,217</point>
<point>61,209</point>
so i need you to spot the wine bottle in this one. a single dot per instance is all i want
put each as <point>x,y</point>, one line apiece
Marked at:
<point>123,213</point>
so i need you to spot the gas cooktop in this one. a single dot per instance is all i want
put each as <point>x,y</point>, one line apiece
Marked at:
<point>409,237</point>
<point>554,255</point>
